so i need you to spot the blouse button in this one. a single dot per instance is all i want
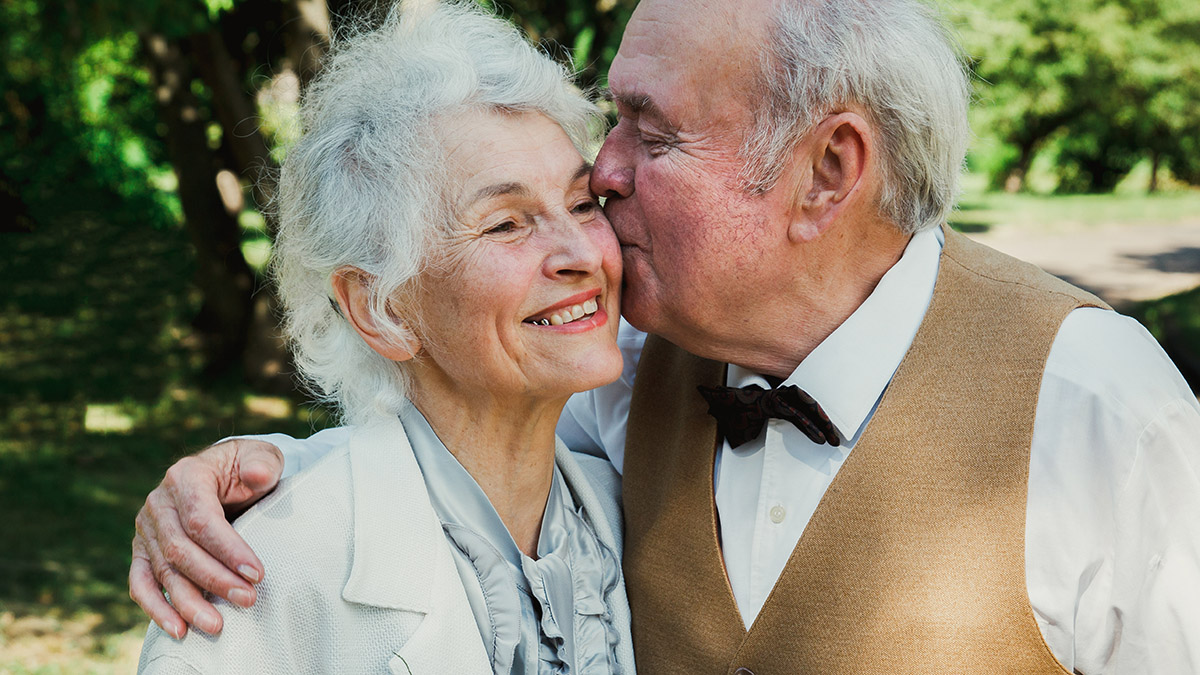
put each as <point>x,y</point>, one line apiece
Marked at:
<point>778,513</point>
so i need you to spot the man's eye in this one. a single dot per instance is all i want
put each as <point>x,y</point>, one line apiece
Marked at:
<point>657,145</point>
<point>502,228</point>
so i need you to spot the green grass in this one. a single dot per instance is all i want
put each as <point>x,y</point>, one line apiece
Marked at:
<point>981,210</point>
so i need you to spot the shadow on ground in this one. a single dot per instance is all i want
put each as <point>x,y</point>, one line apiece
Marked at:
<point>1179,261</point>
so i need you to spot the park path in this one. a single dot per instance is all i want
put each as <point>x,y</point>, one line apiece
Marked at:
<point>1123,264</point>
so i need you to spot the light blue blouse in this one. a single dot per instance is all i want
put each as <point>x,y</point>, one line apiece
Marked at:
<point>537,617</point>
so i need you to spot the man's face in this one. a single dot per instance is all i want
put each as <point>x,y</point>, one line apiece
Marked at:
<point>696,247</point>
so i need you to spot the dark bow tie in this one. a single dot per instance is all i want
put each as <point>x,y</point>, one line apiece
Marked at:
<point>741,412</point>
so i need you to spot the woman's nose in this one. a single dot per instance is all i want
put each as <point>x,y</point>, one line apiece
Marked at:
<point>576,250</point>
<point>612,175</point>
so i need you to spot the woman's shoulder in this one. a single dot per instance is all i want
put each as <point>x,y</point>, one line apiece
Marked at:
<point>303,508</point>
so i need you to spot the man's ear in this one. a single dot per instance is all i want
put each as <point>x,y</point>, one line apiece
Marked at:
<point>394,341</point>
<point>834,156</point>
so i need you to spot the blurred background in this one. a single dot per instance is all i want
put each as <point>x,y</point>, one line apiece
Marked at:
<point>136,324</point>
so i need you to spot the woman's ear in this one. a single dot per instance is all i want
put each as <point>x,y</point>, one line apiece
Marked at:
<point>834,156</point>
<point>394,341</point>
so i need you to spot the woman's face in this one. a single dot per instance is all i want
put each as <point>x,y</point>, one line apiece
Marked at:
<point>523,296</point>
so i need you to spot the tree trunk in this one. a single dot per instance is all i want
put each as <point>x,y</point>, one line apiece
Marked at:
<point>1019,172</point>
<point>1155,160</point>
<point>225,281</point>
<point>236,113</point>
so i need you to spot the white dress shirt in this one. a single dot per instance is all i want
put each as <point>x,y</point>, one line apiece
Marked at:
<point>1112,537</point>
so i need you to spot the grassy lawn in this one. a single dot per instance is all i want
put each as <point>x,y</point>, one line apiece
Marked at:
<point>981,210</point>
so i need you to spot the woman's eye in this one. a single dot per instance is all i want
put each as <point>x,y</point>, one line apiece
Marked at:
<point>586,207</point>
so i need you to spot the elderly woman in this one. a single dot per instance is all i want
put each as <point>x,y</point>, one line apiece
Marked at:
<point>449,282</point>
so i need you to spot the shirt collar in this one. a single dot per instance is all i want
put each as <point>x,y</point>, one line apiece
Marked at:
<point>456,496</point>
<point>848,372</point>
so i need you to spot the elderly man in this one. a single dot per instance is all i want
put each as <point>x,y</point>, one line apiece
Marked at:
<point>998,473</point>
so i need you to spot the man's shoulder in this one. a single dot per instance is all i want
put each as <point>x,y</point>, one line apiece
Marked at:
<point>1112,361</point>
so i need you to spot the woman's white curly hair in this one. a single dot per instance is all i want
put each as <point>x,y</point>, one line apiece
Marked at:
<point>364,184</point>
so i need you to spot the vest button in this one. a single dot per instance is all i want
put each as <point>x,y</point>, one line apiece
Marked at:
<point>743,671</point>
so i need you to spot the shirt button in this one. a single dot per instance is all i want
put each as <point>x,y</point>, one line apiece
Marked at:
<point>778,513</point>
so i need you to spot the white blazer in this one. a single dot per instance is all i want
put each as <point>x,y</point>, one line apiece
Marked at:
<point>360,577</point>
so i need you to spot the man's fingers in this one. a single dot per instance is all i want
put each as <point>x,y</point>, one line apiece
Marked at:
<point>176,549</point>
<point>261,465</point>
<point>146,592</point>
<point>189,602</point>
<point>207,547</point>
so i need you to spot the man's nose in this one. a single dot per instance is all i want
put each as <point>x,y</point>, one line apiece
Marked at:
<point>612,175</point>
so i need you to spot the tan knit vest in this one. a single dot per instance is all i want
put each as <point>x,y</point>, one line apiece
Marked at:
<point>914,560</point>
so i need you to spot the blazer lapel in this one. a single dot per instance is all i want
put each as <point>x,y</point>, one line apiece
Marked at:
<point>402,560</point>
<point>395,527</point>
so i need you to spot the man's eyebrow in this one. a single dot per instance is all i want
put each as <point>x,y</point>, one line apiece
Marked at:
<point>640,104</point>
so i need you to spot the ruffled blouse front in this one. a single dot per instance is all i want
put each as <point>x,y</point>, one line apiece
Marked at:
<point>547,616</point>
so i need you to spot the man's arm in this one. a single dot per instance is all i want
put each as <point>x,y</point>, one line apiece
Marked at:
<point>1113,531</point>
<point>184,543</point>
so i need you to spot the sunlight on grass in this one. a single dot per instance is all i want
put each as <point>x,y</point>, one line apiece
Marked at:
<point>49,644</point>
<point>273,407</point>
<point>106,418</point>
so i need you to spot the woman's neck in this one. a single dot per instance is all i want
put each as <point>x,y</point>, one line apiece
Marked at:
<point>506,445</point>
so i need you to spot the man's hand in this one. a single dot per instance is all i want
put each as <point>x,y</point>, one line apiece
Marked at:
<point>184,543</point>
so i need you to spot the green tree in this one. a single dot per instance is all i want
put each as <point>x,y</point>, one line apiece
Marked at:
<point>1101,83</point>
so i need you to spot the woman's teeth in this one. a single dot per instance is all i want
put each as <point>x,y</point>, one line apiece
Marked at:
<point>569,314</point>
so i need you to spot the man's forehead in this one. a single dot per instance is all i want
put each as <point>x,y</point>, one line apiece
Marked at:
<point>672,37</point>
<point>681,20</point>
<point>680,56</point>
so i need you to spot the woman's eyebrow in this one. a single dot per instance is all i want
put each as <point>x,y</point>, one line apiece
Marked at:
<point>584,169</point>
<point>520,189</point>
<point>499,189</point>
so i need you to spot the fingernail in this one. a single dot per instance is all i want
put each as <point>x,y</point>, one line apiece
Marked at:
<point>176,630</point>
<point>240,597</point>
<point>206,621</point>
<point>248,572</point>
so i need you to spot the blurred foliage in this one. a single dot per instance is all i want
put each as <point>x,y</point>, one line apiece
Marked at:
<point>1097,84</point>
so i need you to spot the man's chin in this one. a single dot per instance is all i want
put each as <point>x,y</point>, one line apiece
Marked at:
<point>641,313</point>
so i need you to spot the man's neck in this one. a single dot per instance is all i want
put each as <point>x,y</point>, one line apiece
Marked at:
<point>837,275</point>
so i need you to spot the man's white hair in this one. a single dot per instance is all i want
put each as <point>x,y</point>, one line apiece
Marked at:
<point>365,186</point>
<point>898,62</point>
